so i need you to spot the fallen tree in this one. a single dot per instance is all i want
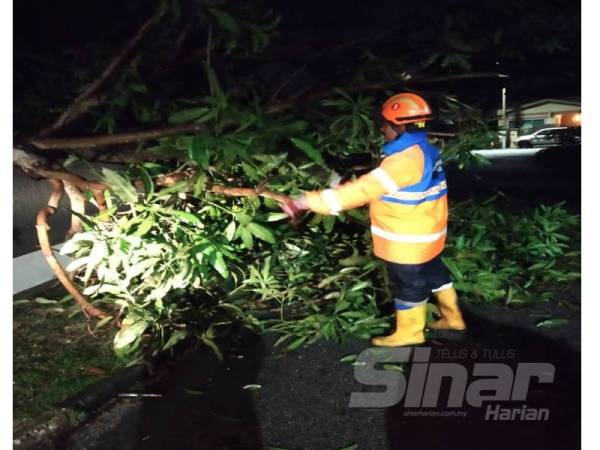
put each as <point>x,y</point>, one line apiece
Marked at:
<point>188,235</point>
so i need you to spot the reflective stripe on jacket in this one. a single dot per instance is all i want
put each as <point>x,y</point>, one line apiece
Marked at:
<point>407,197</point>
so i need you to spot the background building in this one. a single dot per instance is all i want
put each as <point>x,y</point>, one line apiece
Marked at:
<point>544,113</point>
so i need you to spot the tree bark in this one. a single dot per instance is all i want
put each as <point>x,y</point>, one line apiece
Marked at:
<point>248,192</point>
<point>171,179</point>
<point>77,201</point>
<point>46,247</point>
<point>112,139</point>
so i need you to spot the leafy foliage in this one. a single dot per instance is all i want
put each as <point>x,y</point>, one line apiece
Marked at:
<point>177,263</point>
<point>459,150</point>
<point>181,261</point>
<point>153,261</point>
<point>511,258</point>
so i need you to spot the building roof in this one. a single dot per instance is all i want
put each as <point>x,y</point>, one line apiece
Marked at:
<point>572,101</point>
<point>560,101</point>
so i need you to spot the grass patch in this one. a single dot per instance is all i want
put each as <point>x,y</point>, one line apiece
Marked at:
<point>55,355</point>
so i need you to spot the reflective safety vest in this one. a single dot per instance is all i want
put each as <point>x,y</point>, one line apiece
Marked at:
<point>407,197</point>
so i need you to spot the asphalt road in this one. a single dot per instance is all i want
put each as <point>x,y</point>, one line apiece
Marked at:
<point>528,176</point>
<point>303,399</point>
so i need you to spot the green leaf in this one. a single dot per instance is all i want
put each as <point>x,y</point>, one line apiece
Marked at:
<point>218,262</point>
<point>134,270</point>
<point>328,223</point>
<point>349,358</point>
<point>193,391</point>
<point>180,186</point>
<point>120,185</point>
<point>213,82</point>
<point>261,232</point>
<point>230,231</point>
<point>138,87</point>
<point>341,305</point>
<point>147,180</point>
<point>103,322</point>
<point>175,337</point>
<point>274,217</point>
<point>44,301</point>
<point>282,339</point>
<point>108,198</point>
<point>250,171</point>
<point>87,223</point>
<point>225,20</point>
<point>188,115</point>
<point>359,286</point>
<point>107,213</point>
<point>350,447</point>
<point>125,224</point>
<point>21,301</point>
<point>243,219</point>
<point>309,150</point>
<point>130,333</point>
<point>453,268</point>
<point>297,343</point>
<point>200,184</point>
<point>330,279</point>
<point>355,260</point>
<point>98,252</point>
<point>213,346</point>
<point>91,290</point>
<point>394,367</point>
<point>332,295</point>
<point>552,323</point>
<point>246,237</point>
<point>355,314</point>
<point>232,310</point>
<point>199,152</point>
<point>145,226</point>
<point>183,215</point>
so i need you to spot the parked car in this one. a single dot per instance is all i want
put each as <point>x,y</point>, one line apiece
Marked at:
<point>551,137</point>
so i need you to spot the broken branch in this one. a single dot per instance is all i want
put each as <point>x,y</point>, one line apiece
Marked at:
<point>112,139</point>
<point>42,228</point>
<point>248,192</point>
<point>82,183</point>
<point>77,201</point>
<point>171,179</point>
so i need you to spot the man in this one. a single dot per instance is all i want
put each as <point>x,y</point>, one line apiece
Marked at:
<point>407,197</point>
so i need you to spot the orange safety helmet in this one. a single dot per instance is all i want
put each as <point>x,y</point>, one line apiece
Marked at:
<point>406,108</point>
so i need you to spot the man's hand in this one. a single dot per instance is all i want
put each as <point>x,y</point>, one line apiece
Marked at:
<point>294,208</point>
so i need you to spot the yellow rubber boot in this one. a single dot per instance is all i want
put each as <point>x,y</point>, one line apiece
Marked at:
<point>451,316</point>
<point>410,324</point>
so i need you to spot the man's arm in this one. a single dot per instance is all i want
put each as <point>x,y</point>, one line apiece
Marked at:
<point>395,172</point>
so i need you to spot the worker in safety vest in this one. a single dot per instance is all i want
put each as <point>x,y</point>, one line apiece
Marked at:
<point>407,197</point>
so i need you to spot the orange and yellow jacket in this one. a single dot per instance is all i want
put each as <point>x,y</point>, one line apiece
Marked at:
<point>407,197</point>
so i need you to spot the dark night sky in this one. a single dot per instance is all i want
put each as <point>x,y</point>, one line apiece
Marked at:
<point>40,25</point>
